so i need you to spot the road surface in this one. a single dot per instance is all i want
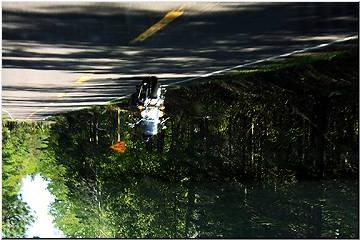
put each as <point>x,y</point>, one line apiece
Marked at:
<point>59,57</point>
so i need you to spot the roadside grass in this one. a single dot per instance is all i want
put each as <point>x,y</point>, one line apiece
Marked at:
<point>290,62</point>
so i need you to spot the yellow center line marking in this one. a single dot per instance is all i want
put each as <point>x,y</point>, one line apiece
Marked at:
<point>79,81</point>
<point>61,95</point>
<point>169,17</point>
<point>82,79</point>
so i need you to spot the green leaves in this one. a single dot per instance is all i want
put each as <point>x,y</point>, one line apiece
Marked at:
<point>20,157</point>
<point>275,125</point>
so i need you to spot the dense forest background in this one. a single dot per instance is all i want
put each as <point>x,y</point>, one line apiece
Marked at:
<point>296,119</point>
<point>270,127</point>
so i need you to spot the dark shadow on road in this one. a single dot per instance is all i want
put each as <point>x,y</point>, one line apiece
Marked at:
<point>95,38</point>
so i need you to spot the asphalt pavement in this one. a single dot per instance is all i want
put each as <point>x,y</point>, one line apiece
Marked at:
<point>58,57</point>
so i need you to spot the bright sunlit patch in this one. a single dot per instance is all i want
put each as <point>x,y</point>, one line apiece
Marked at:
<point>34,192</point>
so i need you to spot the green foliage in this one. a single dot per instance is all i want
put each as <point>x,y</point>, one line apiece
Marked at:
<point>261,126</point>
<point>294,62</point>
<point>16,217</point>
<point>275,127</point>
<point>21,151</point>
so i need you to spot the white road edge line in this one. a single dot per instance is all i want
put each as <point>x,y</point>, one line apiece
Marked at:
<point>246,64</point>
<point>52,104</point>
<point>2,109</point>
<point>266,59</point>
